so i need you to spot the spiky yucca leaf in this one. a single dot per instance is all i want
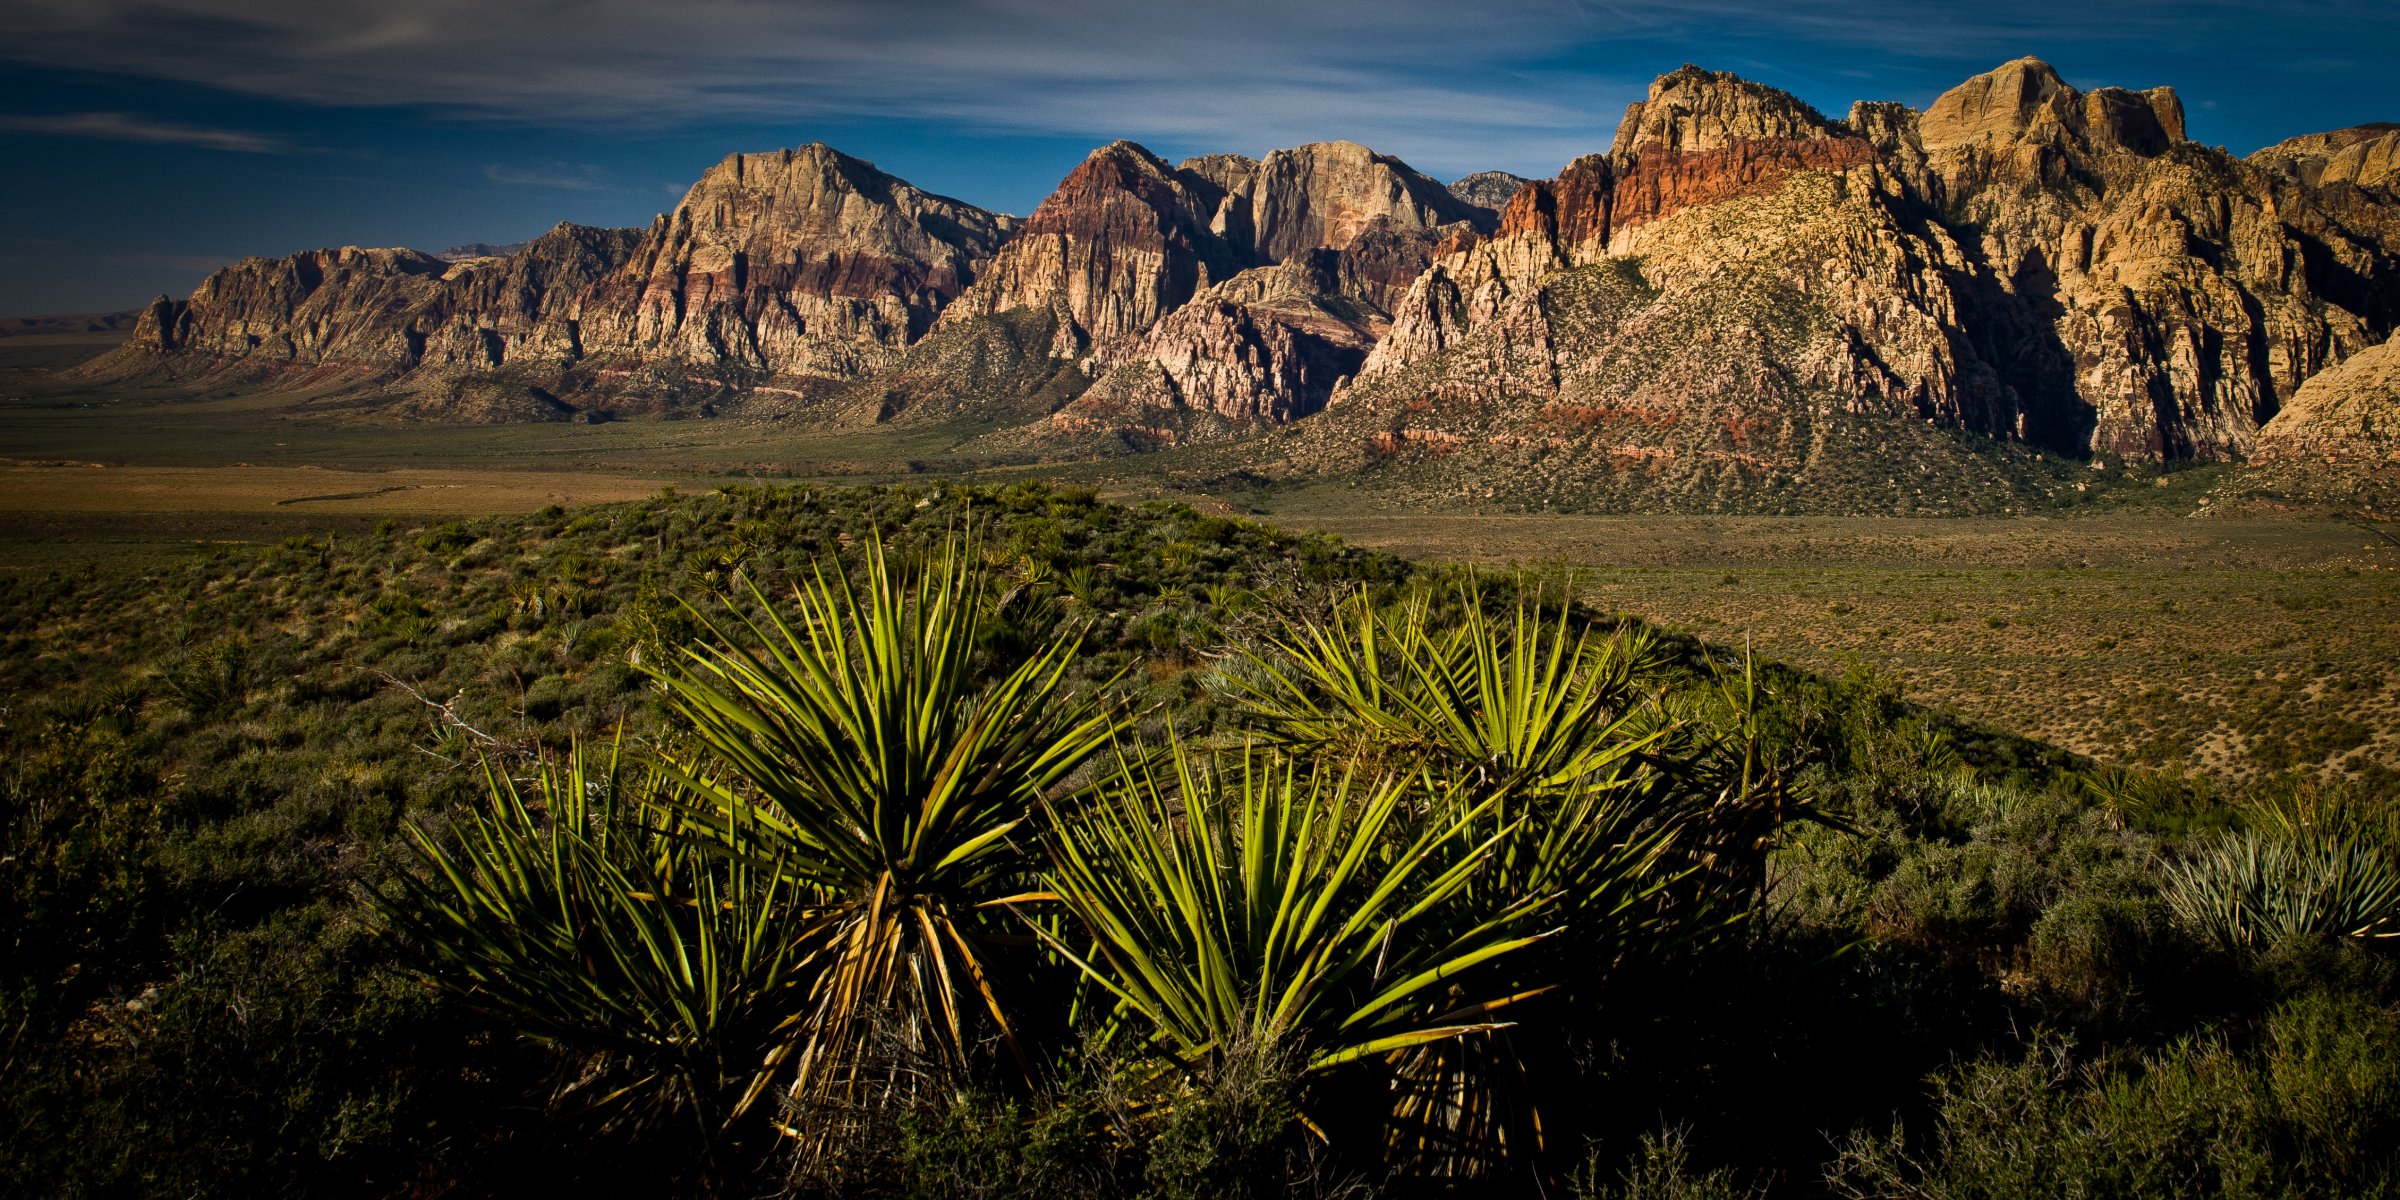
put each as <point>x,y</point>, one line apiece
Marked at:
<point>2250,891</point>
<point>854,752</point>
<point>559,913</point>
<point>1529,702</point>
<point>1267,901</point>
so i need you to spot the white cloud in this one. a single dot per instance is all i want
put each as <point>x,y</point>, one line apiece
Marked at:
<point>124,127</point>
<point>1442,83</point>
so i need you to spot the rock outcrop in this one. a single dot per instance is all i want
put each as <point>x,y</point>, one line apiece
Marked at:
<point>2347,414</point>
<point>2366,155</point>
<point>1125,240</point>
<point>1742,302</point>
<point>2042,266</point>
<point>1169,284</point>
<point>1488,189</point>
<point>800,264</point>
<point>778,271</point>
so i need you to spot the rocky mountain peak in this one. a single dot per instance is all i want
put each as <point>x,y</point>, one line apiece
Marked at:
<point>1324,194</point>
<point>1488,189</point>
<point>2366,155</point>
<point>1694,109</point>
<point>2025,99</point>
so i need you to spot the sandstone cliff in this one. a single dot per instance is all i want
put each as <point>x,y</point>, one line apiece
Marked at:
<point>1166,283</point>
<point>1488,189</point>
<point>1741,302</point>
<point>800,264</point>
<point>777,272</point>
<point>1740,277</point>
<point>2366,155</point>
<point>2346,414</point>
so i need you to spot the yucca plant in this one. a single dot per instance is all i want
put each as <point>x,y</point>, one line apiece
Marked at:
<point>2252,890</point>
<point>857,753</point>
<point>1268,901</point>
<point>1527,703</point>
<point>1642,826</point>
<point>558,911</point>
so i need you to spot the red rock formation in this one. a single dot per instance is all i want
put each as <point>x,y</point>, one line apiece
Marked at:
<point>2023,259</point>
<point>801,263</point>
<point>1121,243</point>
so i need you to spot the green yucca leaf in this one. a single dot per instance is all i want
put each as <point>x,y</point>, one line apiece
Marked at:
<point>854,751</point>
<point>559,913</point>
<point>1529,702</point>
<point>2250,891</point>
<point>1267,901</point>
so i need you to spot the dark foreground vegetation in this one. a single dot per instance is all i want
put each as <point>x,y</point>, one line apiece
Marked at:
<point>1000,842</point>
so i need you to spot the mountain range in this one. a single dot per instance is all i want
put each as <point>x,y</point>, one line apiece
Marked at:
<point>1742,303</point>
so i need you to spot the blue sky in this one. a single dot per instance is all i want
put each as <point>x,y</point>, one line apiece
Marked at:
<point>152,140</point>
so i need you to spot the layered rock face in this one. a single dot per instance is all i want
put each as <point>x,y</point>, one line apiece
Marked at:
<point>795,266</point>
<point>801,263</point>
<point>1219,293</point>
<point>1125,240</point>
<point>2022,260</point>
<point>1742,296</point>
<point>2346,415</point>
<point>2366,155</point>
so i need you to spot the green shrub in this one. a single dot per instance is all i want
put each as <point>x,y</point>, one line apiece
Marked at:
<point>2314,1110</point>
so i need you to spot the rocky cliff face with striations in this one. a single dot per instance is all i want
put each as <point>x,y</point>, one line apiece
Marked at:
<point>800,264</point>
<point>1742,302</point>
<point>2053,268</point>
<point>1125,240</point>
<point>777,270</point>
<point>2365,155</point>
<point>1167,284</point>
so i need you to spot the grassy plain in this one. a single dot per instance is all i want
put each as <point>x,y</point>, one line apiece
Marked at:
<point>2131,631</point>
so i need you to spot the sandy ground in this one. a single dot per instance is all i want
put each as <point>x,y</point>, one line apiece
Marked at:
<point>90,488</point>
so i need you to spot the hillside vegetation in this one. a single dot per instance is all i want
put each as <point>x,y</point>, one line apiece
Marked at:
<point>992,841</point>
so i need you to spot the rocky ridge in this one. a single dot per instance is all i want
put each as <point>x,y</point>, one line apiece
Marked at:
<point>781,272</point>
<point>1742,297</point>
<point>2024,262</point>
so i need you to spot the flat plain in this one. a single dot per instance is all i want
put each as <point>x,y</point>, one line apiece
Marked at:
<point>2210,645</point>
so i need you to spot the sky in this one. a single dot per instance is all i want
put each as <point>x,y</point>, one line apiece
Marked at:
<point>150,141</point>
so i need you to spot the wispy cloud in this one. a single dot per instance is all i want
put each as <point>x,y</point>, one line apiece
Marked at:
<point>1512,81</point>
<point>126,127</point>
<point>561,176</point>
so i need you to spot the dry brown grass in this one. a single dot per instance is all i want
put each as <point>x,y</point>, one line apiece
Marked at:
<point>2218,646</point>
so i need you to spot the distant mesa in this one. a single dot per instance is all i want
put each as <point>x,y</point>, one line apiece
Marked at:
<point>1738,301</point>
